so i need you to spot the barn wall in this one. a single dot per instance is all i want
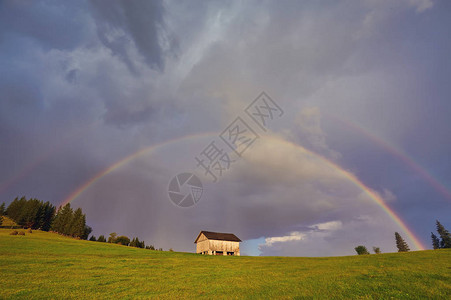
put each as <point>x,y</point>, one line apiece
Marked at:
<point>209,246</point>
<point>202,246</point>
<point>225,246</point>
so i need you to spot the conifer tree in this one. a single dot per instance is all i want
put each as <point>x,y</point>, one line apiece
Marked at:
<point>101,239</point>
<point>2,209</point>
<point>445,236</point>
<point>78,223</point>
<point>87,231</point>
<point>92,238</point>
<point>56,223</point>
<point>435,241</point>
<point>63,220</point>
<point>401,244</point>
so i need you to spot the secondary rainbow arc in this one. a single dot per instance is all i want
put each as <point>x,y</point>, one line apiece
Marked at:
<point>147,150</point>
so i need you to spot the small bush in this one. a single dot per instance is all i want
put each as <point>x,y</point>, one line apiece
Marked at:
<point>21,233</point>
<point>13,232</point>
<point>361,250</point>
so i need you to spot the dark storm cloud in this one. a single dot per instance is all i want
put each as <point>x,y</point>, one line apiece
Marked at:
<point>52,24</point>
<point>85,84</point>
<point>141,23</point>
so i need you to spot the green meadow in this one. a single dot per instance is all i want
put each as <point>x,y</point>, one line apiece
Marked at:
<point>47,265</point>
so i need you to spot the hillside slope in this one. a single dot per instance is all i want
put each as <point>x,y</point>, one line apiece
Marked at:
<point>46,265</point>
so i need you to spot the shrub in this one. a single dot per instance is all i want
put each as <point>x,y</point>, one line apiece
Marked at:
<point>377,250</point>
<point>361,250</point>
<point>101,239</point>
<point>123,240</point>
<point>13,232</point>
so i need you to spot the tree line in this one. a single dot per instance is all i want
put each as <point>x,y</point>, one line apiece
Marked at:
<point>124,240</point>
<point>441,242</point>
<point>37,214</point>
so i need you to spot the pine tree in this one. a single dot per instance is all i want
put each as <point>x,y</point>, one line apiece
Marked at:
<point>92,238</point>
<point>401,244</point>
<point>101,239</point>
<point>63,220</point>
<point>48,213</point>
<point>445,236</point>
<point>2,209</point>
<point>87,230</point>
<point>435,241</point>
<point>56,222</point>
<point>78,223</point>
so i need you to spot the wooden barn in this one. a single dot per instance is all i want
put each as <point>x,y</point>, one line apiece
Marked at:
<point>217,243</point>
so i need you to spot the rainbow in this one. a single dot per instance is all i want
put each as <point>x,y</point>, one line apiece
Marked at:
<point>26,170</point>
<point>351,177</point>
<point>396,152</point>
<point>124,161</point>
<point>371,193</point>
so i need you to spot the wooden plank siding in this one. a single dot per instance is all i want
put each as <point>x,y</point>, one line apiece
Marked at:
<point>212,247</point>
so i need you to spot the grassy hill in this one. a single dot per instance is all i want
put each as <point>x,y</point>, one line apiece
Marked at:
<point>46,265</point>
<point>8,223</point>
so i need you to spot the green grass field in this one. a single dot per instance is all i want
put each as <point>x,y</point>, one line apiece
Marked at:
<point>46,265</point>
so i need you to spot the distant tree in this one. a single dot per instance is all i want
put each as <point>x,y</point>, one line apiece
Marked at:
<point>435,241</point>
<point>87,232</point>
<point>171,250</point>
<point>32,213</point>
<point>112,238</point>
<point>2,209</point>
<point>101,239</point>
<point>150,247</point>
<point>160,249</point>
<point>401,244</point>
<point>377,250</point>
<point>47,213</point>
<point>62,222</point>
<point>123,240</point>
<point>137,243</point>
<point>78,224</point>
<point>445,241</point>
<point>361,250</point>
<point>92,238</point>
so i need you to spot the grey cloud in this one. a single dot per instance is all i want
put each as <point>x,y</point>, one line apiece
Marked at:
<point>52,24</point>
<point>124,24</point>
<point>83,86</point>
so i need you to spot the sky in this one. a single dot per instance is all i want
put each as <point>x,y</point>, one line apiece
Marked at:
<point>102,103</point>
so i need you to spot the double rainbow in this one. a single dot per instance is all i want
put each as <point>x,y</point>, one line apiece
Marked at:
<point>351,177</point>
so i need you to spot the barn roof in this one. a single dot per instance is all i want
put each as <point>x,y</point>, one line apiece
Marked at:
<point>218,236</point>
